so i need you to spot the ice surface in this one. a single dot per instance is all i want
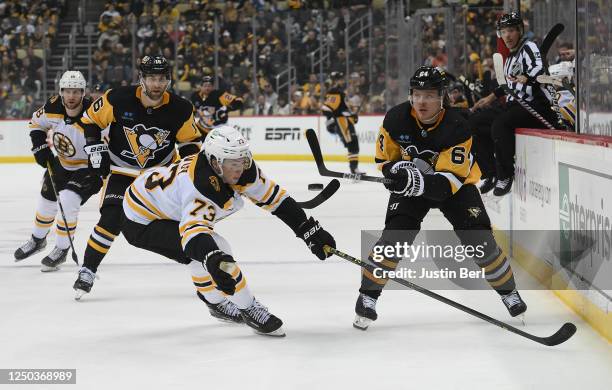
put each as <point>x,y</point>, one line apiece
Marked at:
<point>142,325</point>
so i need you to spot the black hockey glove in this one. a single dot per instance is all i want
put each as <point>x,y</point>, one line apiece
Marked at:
<point>316,237</point>
<point>331,126</point>
<point>98,158</point>
<point>43,155</point>
<point>217,263</point>
<point>407,179</point>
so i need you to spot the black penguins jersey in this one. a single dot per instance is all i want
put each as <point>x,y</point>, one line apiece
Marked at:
<point>52,122</point>
<point>335,105</point>
<point>141,137</point>
<point>207,106</point>
<point>444,145</point>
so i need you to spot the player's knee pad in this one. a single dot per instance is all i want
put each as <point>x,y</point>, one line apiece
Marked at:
<point>110,218</point>
<point>84,184</point>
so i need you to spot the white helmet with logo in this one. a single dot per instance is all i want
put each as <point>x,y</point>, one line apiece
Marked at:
<point>225,142</point>
<point>72,79</point>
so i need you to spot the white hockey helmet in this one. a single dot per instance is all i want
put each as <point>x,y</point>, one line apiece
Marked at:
<point>225,142</point>
<point>72,79</point>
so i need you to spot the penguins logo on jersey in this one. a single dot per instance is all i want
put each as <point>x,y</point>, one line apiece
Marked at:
<point>63,145</point>
<point>144,142</point>
<point>427,155</point>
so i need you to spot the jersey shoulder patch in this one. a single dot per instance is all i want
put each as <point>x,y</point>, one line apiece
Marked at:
<point>209,184</point>
<point>54,105</point>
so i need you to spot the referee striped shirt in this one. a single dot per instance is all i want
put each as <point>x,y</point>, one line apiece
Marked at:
<point>526,61</point>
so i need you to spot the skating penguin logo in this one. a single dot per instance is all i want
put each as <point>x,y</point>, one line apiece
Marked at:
<point>144,142</point>
<point>413,152</point>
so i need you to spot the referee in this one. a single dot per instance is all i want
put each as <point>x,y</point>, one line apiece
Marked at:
<point>521,68</point>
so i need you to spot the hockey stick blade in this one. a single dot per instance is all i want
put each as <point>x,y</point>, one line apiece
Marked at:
<point>315,148</point>
<point>498,64</point>
<point>327,192</point>
<point>563,334</point>
<point>549,39</point>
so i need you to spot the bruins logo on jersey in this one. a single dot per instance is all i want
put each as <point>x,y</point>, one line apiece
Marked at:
<point>63,145</point>
<point>144,142</point>
<point>413,152</point>
<point>215,183</point>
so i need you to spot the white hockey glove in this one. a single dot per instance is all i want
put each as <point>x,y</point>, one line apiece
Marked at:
<point>408,180</point>
<point>98,158</point>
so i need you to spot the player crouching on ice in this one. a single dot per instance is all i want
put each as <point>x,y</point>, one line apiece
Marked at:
<point>172,211</point>
<point>424,146</point>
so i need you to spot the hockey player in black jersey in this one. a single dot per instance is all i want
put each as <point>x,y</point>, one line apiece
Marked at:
<point>213,105</point>
<point>425,148</point>
<point>340,119</point>
<point>55,126</point>
<point>145,123</point>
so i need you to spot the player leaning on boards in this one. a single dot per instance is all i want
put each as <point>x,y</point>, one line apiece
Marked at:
<point>212,105</point>
<point>522,67</point>
<point>425,148</point>
<point>340,120</point>
<point>75,183</point>
<point>146,122</point>
<point>172,211</point>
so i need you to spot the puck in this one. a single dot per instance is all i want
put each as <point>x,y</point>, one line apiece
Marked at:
<point>315,186</point>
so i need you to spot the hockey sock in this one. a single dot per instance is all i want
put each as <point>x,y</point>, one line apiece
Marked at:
<point>71,202</point>
<point>498,271</point>
<point>353,161</point>
<point>98,245</point>
<point>45,215</point>
<point>370,284</point>
<point>204,284</point>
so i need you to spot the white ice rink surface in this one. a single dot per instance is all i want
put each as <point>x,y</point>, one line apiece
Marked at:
<point>143,327</point>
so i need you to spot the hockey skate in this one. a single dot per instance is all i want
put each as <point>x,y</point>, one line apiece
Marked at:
<point>503,186</point>
<point>365,310</point>
<point>84,282</point>
<point>53,260</point>
<point>224,311</point>
<point>32,246</point>
<point>262,321</point>
<point>515,305</point>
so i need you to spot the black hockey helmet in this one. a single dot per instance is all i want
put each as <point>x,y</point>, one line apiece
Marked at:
<point>208,79</point>
<point>154,65</point>
<point>510,20</point>
<point>429,77</point>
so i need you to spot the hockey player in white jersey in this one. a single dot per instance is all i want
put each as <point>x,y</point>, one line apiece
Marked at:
<point>52,127</point>
<point>172,211</point>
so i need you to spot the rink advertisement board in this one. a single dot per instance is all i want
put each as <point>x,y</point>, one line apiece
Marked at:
<point>562,184</point>
<point>270,137</point>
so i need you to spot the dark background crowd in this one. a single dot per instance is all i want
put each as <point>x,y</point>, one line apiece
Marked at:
<point>183,31</point>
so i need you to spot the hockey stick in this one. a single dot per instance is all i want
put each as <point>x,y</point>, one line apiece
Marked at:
<point>550,38</point>
<point>322,196</point>
<point>315,148</point>
<point>566,331</point>
<point>52,180</point>
<point>498,63</point>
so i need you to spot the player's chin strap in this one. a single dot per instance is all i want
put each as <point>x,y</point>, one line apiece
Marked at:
<point>144,87</point>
